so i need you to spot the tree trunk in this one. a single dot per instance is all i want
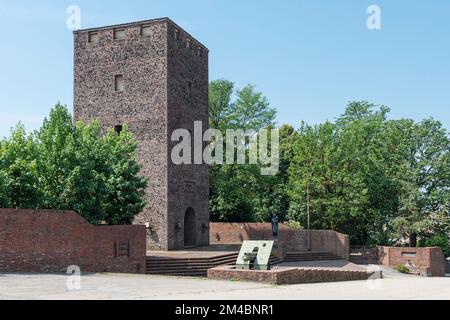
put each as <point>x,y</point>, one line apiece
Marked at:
<point>413,240</point>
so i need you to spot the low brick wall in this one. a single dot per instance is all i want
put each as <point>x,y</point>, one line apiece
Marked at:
<point>287,275</point>
<point>50,241</point>
<point>364,255</point>
<point>294,240</point>
<point>425,261</point>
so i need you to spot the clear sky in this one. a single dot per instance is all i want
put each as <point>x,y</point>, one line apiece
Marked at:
<point>308,57</point>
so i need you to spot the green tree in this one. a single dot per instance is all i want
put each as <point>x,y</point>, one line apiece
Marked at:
<point>372,178</point>
<point>125,189</point>
<point>423,174</point>
<point>72,167</point>
<point>271,191</point>
<point>235,188</point>
<point>220,105</point>
<point>335,180</point>
<point>19,171</point>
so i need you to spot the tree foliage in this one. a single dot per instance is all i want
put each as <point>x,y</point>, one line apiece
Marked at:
<point>72,167</point>
<point>235,190</point>
<point>372,178</point>
<point>381,181</point>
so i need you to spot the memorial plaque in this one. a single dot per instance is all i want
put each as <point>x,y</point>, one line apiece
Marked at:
<point>255,255</point>
<point>123,248</point>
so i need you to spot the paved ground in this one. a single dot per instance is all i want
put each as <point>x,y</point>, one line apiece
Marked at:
<point>324,264</point>
<point>113,286</point>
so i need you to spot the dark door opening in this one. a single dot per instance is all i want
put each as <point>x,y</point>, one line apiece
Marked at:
<point>189,228</point>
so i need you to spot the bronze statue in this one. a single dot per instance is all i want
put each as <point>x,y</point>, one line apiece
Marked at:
<point>275,221</point>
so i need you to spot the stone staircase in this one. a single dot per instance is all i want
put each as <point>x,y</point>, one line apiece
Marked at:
<point>310,256</point>
<point>192,267</point>
<point>198,267</point>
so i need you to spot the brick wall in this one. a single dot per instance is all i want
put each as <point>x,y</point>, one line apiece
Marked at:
<point>50,241</point>
<point>294,240</point>
<point>364,255</point>
<point>424,261</point>
<point>288,275</point>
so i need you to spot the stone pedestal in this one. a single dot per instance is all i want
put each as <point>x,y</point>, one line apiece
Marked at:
<point>279,249</point>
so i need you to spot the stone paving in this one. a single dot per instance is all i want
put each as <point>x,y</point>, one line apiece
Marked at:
<point>323,265</point>
<point>116,286</point>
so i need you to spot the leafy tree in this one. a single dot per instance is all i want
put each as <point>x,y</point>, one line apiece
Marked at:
<point>272,190</point>
<point>220,105</point>
<point>372,178</point>
<point>19,171</point>
<point>72,167</point>
<point>234,188</point>
<point>125,189</point>
<point>422,174</point>
<point>4,201</point>
<point>250,111</point>
<point>57,158</point>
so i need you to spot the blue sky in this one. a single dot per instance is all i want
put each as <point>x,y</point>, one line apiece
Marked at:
<point>308,57</point>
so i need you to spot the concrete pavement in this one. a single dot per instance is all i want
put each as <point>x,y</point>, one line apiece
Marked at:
<point>116,286</point>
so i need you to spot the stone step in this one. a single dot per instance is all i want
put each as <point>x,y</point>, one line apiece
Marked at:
<point>168,262</point>
<point>183,264</point>
<point>188,267</point>
<point>181,273</point>
<point>310,256</point>
<point>195,267</point>
<point>165,262</point>
<point>235,254</point>
<point>175,270</point>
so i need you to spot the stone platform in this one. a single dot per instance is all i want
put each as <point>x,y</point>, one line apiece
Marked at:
<point>296,273</point>
<point>193,262</point>
<point>198,252</point>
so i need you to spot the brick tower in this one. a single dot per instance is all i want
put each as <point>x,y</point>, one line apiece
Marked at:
<point>152,76</point>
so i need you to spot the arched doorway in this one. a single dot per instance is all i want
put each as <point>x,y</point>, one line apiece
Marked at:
<point>189,228</point>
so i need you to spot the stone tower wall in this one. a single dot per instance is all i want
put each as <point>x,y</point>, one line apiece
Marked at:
<point>154,101</point>
<point>187,103</point>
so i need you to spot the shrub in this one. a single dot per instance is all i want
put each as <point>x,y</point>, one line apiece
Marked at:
<point>294,225</point>
<point>402,268</point>
<point>439,240</point>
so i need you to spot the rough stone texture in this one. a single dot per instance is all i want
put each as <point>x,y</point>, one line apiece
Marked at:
<point>428,262</point>
<point>157,69</point>
<point>319,241</point>
<point>364,255</point>
<point>286,276</point>
<point>50,241</point>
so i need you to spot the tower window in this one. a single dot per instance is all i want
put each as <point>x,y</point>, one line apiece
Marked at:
<point>118,129</point>
<point>200,52</point>
<point>189,88</point>
<point>119,34</point>
<point>93,37</point>
<point>188,43</point>
<point>176,34</point>
<point>118,83</point>
<point>146,31</point>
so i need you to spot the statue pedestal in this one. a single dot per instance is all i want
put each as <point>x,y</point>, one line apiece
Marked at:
<point>279,249</point>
